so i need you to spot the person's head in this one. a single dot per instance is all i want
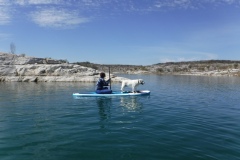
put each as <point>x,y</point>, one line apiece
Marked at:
<point>102,75</point>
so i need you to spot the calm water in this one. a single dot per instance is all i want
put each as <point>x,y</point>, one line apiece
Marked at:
<point>185,117</point>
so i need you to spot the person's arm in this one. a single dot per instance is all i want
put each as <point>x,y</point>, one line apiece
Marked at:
<point>105,83</point>
<point>108,81</point>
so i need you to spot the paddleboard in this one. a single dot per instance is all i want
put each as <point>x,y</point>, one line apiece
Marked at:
<point>128,93</point>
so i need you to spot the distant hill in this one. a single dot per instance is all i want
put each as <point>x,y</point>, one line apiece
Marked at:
<point>207,67</point>
<point>118,68</point>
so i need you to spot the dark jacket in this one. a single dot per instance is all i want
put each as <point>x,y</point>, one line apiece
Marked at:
<point>101,83</point>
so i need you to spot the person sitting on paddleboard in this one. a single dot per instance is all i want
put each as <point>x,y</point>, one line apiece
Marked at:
<point>101,83</point>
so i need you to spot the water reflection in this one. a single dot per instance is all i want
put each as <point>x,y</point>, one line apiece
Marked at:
<point>104,106</point>
<point>131,103</point>
<point>124,104</point>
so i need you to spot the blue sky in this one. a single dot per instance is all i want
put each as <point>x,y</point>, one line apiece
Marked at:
<point>138,32</point>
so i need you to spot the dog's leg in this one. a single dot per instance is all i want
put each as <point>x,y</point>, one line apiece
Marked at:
<point>122,87</point>
<point>133,88</point>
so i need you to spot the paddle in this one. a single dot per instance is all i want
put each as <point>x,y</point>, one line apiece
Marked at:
<point>109,77</point>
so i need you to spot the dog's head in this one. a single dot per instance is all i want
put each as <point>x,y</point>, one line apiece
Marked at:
<point>140,81</point>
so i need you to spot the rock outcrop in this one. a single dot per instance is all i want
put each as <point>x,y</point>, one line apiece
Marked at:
<point>30,69</point>
<point>13,59</point>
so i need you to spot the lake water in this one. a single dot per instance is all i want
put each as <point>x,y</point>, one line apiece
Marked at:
<point>185,117</point>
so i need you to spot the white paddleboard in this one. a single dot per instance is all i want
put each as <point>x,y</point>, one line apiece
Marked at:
<point>94,94</point>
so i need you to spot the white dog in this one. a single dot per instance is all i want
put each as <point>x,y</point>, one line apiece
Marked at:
<point>133,83</point>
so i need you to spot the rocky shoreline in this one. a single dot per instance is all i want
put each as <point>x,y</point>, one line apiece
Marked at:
<point>22,68</point>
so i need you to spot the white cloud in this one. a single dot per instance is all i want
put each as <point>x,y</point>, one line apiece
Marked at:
<point>5,16</point>
<point>4,36</point>
<point>5,2</point>
<point>57,18</point>
<point>184,4</point>
<point>37,2</point>
<point>5,12</point>
<point>49,17</point>
<point>192,4</point>
<point>90,2</point>
<point>228,1</point>
<point>21,2</point>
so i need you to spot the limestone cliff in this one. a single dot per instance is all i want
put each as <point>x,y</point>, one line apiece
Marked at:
<point>22,68</point>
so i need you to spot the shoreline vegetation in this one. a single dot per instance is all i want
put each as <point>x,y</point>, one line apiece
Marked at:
<point>22,68</point>
<point>201,68</point>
